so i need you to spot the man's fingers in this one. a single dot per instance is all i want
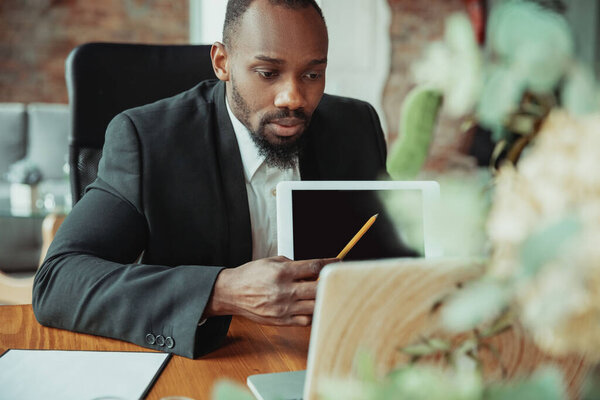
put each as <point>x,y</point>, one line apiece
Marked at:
<point>300,320</point>
<point>304,307</point>
<point>292,320</point>
<point>309,269</point>
<point>305,290</point>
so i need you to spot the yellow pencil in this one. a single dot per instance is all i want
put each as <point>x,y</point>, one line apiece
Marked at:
<point>357,237</point>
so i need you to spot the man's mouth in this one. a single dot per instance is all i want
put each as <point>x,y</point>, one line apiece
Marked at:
<point>287,126</point>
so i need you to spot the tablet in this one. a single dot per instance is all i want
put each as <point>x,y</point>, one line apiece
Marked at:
<point>316,219</point>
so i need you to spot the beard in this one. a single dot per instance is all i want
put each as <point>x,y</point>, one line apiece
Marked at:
<point>283,154</point>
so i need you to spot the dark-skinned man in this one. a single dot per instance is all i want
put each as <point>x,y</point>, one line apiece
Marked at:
<point>188,183</point>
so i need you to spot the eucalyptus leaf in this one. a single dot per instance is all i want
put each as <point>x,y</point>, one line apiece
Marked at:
<point>547,243</point>
<point>463,87</point>
<point>580,94</point>
<point>334,389</point>
<point>500,324</point>
<point>460,215</point>
<point>479,302</point>
<point>545,384</point>
<point>227,390</point>
<point>417,122</point>
<point>427,383</point>
<point>419,349</point>
<point>439,344</point>
<point>591,385</point>
<point>469,345</point>
<point>536,43</point>
<point>365,366</point>
<point>502,92</point>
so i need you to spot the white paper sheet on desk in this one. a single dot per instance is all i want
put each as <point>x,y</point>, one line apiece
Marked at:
<point>78,375</point>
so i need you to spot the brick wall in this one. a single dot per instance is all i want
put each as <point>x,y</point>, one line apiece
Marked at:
<point>414,25</point>
<point>37,35</point>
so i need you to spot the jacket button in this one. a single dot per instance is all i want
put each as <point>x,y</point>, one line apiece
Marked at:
<point>150,339</point>
<point>160,340</point>
<point>169,342</point>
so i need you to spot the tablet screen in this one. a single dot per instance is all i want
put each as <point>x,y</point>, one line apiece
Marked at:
<point>324,221</point>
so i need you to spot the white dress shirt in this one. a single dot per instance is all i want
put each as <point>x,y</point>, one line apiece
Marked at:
<point>261,182</point>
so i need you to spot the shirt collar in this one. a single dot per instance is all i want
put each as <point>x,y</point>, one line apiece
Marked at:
<point>251,157</point>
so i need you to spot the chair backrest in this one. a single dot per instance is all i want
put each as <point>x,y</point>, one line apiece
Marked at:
<point>104,79</point>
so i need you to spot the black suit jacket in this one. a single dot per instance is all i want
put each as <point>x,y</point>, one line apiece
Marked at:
<point>171,187</point>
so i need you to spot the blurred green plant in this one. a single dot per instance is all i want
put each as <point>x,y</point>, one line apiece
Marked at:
<point>527,68</point>
<point>545,211</point>
<point>417,123</point>
<point>228,390</point>
<point>543,267</point>
<point>424,382</point>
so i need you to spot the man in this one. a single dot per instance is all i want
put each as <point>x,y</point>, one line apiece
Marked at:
<point>187,183</point>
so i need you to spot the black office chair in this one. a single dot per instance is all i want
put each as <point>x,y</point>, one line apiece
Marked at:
<point>104,79</point>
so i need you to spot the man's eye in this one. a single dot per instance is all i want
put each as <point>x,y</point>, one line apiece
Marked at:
<point>267,74</point>
<point>313,76</point>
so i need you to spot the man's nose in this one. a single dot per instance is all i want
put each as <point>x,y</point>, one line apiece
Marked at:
<point>290,96</point>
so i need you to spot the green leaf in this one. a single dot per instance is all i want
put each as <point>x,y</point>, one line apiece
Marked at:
<point>591,385</point>
<point>477,303</point>
<point>547,244</point>
<point>461,214</point>
<point>580,93</point>
<point>419,350</point>
<point>417,123</point>
<point>467,346</point>
<point>545,384</point>
<point>406,212</point>
<point>534,42</point>
<point>227,390</point>
<point>463,88</point>
<point>500,324</point>
<point>429,383</point>
<point>334,389</point>
<point>438,344</point>
<point>365,366</point>
<point>502,92</point>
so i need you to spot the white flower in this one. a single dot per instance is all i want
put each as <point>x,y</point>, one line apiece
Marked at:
<point>557,179</point>
<point>453,66</point>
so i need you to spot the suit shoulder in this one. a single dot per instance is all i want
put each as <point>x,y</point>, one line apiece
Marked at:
<point>331,102</point>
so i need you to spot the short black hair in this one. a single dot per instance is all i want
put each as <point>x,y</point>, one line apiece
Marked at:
<point>237,8</point>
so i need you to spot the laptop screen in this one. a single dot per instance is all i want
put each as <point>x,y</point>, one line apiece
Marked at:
<point>324,221</point>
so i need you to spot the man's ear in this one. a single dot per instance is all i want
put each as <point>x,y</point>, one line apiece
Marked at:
<point>220,61</point>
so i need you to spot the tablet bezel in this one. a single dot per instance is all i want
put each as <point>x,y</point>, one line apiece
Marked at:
<point>285,226</point>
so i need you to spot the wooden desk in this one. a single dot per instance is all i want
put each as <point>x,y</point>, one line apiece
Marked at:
<point>250,349</point>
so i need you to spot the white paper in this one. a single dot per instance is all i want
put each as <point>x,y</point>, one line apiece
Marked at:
<point>77,375</point>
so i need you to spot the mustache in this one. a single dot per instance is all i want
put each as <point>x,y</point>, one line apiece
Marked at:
<point>279,114</point>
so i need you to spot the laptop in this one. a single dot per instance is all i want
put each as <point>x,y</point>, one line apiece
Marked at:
<point>316,219</point>
<point>373,306</point>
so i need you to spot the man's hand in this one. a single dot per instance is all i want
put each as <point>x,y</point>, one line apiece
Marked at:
<point>273,291</point>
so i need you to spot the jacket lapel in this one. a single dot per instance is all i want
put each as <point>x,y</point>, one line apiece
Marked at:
<point>239,248</point>
<point>310,169</point>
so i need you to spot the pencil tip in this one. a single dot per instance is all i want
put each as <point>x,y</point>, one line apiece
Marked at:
<point>376,215</point>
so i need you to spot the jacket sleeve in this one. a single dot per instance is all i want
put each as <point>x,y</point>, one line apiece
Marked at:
<point>90,282</point>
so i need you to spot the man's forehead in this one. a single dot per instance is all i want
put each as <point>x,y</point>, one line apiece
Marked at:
<point>272,31</point>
